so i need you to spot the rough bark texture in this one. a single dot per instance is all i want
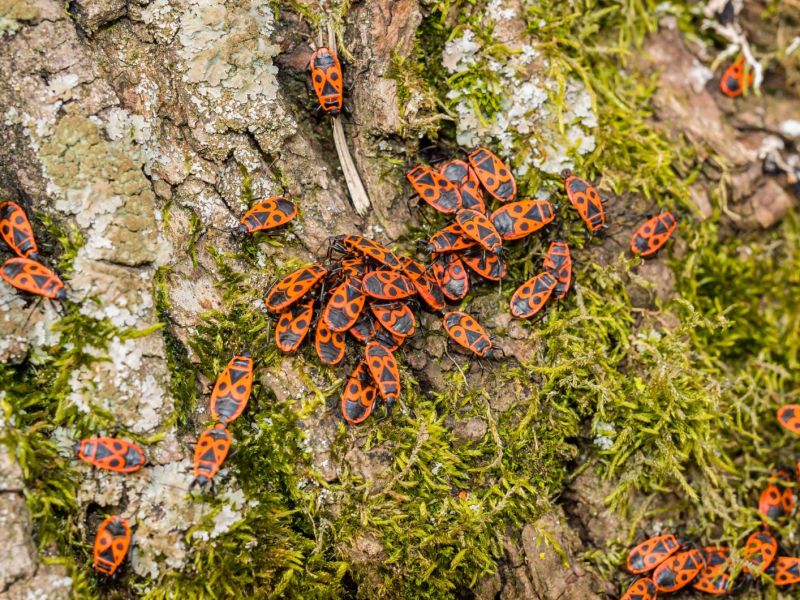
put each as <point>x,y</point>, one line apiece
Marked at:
<point>145,127</point>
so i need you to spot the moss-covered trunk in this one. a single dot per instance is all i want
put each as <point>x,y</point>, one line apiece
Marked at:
<point>136,133</point>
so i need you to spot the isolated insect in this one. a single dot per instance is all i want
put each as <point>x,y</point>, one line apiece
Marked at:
<point>232,389</point>
<point>395,317</point>
<point>493,174</point>
<point>559,263</point>
<point>366,247</point>
<point>789,416</point>
<point>111,544</point>
<point>777,500</point>
<point>111,453</point>
<point>478,227</point>
<point>733,80</point>
<point>678,570</point>
<point>652,552</point>
<point>452,277</point>
<point>268,214</point>
<point>463,176</point>
<point>30,276</point>
<point>344,305</point>
<point>515,220</point>
<point>467,332</point>
<point>653,234</point>
<point>294,286</point>
<point>17,231</point>
<point>209,454</point>
<point>642,589</point>
<point>759,550</point>
<point>293,326</point>
<point>586,201</point>
<point>358,397</point>
<point>383,368</point>
<point>438,191</point>
<point>714,579</point>
<point>532,295</point>
<point>387,285</point>
<point>330,345</point>
<point>787,570</point>
<point>488,266</point>
<point>326,75</point>
<point>449,239</point>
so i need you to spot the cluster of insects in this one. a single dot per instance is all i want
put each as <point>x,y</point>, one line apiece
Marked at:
<point>24,271</point>
<point>228,401</point>
<point>665,564</point>
<point>366,291</point>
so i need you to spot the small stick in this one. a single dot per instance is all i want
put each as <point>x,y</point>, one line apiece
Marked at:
<point>358,195</point>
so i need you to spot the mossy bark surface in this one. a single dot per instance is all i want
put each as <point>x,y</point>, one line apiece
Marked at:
<point>135,133</point>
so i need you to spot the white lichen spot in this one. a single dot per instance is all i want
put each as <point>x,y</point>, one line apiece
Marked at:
<point>459,53</point>
<point>61,85</point>
<point>528,124</point>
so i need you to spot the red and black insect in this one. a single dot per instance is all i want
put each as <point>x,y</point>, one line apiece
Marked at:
<point>493,174</point>
<point>452,277</point>
<point>488,266</point>
<point>734,81</point>
<point>467,332</point>
<point>387,285</point>
<point>232,389</point>
<point>209,454</point>
<point>677,571</point>
<point>449,239</point>
<point>17,231</point>
<point>438,191</point>
<point>111,453</point>
<point>786,570</point>
<point>395,317</point>
<point>777,501</point>
<point>344,305</point>
<point>383,368</point>
<point>653,234</point>
<point>111,544</point>
<point>363,328</point>
<point>293,325</point>
<point>642,589</point>
<point>713,579</point>
<point>30,276</point>
<point>759,551</point>
<point>358,397</point>
<point>330,345</point>
<point>586,200</point>
<point>268,214</point>
<point>478,227</point>
<point>365,247</point>
<point>464,178</point>
<point>326,76</point>
<point>652,552</point>
<point>353,267</point>
<point>789,416</point>
<point>388,339</point>
<point>424,283</point>
<point>532,295</point>
<point>516,220</point>
<point>294,286</point>
<point>559,263</point>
